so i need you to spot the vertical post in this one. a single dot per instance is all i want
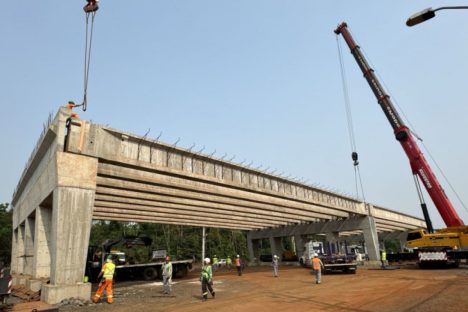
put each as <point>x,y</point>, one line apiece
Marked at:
<point>28,245</point>
<point>371,238</point>
<point>299,245</point>
<point>203,243</point>
<point>43,242</point>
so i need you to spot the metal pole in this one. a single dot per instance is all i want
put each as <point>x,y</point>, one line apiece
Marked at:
<point>203,244</point>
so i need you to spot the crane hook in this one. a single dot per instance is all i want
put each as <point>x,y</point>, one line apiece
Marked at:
<point>92,6</point>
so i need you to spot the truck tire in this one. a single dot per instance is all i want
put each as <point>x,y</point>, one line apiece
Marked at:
<point>150,273</point>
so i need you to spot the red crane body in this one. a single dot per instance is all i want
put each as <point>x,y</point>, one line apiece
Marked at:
<point>419,164</point>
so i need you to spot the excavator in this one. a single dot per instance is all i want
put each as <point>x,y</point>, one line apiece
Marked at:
<point>445,246</point>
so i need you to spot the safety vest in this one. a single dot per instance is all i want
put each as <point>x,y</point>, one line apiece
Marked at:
<point>384,256</point>
<point>237,261</point>
<point>167,269</point>
<point>316,263</point>
<point>206,272</point>
<point>228,261</point>
<point>215,260</point>
<point>108,269</point>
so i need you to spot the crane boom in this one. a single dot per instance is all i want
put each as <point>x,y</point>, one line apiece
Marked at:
<point>418,163</point>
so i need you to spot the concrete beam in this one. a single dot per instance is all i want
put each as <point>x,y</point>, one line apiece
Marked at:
<point>43,243</point>
<point>130,197</point>
<point>107,217</point>
<point>184,210</point>
<point>159,213</point>
<point>219,189</point>
<point>157,189</point>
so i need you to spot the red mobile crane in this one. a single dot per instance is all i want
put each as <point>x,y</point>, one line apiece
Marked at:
<point>447,245</point>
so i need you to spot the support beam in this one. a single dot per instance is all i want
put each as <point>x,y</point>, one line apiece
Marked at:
<point>43,242</point>
<point>253,248</point>
<point>276,246</point>
<point>371,239</point>
<point>28,246</point>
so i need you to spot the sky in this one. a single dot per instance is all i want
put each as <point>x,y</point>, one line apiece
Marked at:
<point>257,80</point>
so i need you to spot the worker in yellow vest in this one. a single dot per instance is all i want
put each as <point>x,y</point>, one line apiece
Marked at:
<point>383,258</point>
<point>207,279</point>
<point>107,274</point>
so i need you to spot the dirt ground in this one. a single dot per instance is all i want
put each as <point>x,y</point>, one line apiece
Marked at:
<point>405,289</point>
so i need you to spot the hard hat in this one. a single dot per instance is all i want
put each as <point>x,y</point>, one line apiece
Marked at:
<point>237,256</point>
<point>207,260</point>
<point>109,258</point>
<point>275,256</point>
<point>168,258</point>
<point>315,255</point>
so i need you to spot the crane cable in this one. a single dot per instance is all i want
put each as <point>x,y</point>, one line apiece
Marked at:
<point>354,154</point>
<point>90,11</point>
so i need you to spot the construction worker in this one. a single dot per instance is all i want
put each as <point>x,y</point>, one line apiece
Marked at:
<point>238,265</point>
<point>167,276</point>
<point>275,264</point>
<point>317,265</point>
<point>383,258</point>
<point>215,263</point>
<point>207,279</point>
<point>107,274</point>
<point>228,263</point>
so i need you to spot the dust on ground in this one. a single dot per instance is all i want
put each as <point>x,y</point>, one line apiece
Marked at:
<point>404,289</point>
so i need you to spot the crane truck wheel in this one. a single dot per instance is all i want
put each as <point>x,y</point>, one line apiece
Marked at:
<point>150,274</point>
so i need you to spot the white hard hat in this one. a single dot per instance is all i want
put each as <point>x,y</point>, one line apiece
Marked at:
<point>207,260</point>
<point>275,256</point>
<point>237,256</point>
<point>315,255</point>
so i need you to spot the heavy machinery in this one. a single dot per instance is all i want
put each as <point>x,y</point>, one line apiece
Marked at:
<point>133,257</point>
<point>331,261</point>
<point>448,245</point>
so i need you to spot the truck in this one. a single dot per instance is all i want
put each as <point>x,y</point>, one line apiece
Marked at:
<point>133,257</point>
<point>331,261</point>
<point>446,246</point>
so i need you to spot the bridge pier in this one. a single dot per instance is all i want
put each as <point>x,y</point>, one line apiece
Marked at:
<point>330,228</point>
<point>276,246</point>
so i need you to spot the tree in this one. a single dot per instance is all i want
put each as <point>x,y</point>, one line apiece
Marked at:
<point>5,233</point>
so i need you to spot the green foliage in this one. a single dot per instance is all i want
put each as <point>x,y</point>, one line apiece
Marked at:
<point>180,242</point>
<point>392,245</point>
<point>5,233</point>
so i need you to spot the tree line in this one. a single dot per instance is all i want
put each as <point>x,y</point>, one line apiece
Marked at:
<point>180,242</point>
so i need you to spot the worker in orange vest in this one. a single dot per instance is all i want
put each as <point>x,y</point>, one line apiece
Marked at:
<point>237,261</point>
<point>107,274</point>
<point>317,265</point>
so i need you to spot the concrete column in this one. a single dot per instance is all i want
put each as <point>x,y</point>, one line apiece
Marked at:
<point>71,226</point>
<point>42,242</point>
<point>14,252</point>
<point>28,246</point>
<point>20,249</point>
<point>299,242</point>
<point>332,241</point>
<point>275,246</point>
<point>72,213</point>
<point>371,238</point>
<point>253,246</point>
